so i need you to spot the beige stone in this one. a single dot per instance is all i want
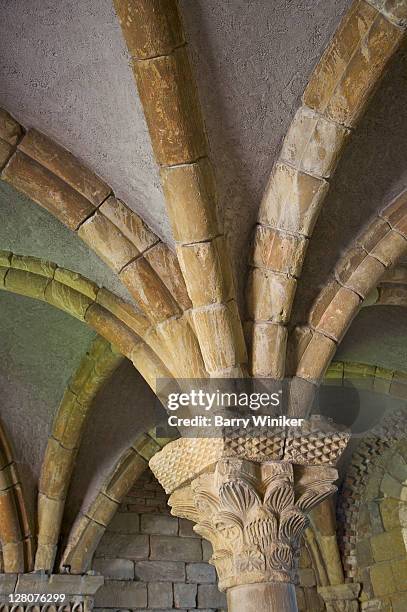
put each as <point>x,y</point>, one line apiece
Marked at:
<point>299,339</point>
<point>67,299</point>
<point>79,555</point>
<point>269,347</point>
<point>382,579</point>
<point>171,108</point>
<point>270,296</point>
<point>124,311</point>
<point>112,329</point>
<point>394,10</point>
<point>102,509</point>
<point>10,130</point>
<point>50,513</point>
<point>207,271</point>
<point>278,251</point>
<point>125,473</point>
<point>388,545</point>
<point>69,421</point>
<point>322,301</point>
<point>359,272</point>
<point>107,241</point>
<point>316,357</point>
<point>149,292</point>
<point>6,151</point>
<point>313,144</point>
<point>191,199</point>
<point>165,263</point>
<point>26,283</point>
<point>56,469</point>
<point>64,165</point>
<point>129,223</point>
<point>181,344</point>
<point>77,282</point>
<point>292,200</point>
<point>339,313</point>
<point>390,248</point>
<point>47,190</point>
<point>150,28</point>
<point>149,365</point>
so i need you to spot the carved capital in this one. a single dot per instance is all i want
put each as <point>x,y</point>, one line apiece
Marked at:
<point>254,515</point>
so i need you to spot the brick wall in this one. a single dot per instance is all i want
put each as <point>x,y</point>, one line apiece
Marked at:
<point>152,560</point>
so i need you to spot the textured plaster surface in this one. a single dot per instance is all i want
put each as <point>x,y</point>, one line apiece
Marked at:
<point>28,229</point>
<point>40,348</point>
<point>124,408</point>
<point>65,70</point>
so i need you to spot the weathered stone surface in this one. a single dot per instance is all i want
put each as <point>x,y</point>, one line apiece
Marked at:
<point>388,545</point>
<point>124,311</point>
<point>150,28</point>
<point>207,271</point>
<point>127,471</point>
<point>339,314</point>
<point>125,522</point>
<point>278,251</point>
<point>313,144</point>
<point>181,347</point>
<point>129,223</point>
<point>102,509</point>
<point>70,419</point>
<point>10,130</point>
<point>159,524</point>
<point>35,265</point>
<point>117,594</point>
<point>352,64</point>
<point>67,299</point>
<point>77,281</point>
<point>207,550</point>
<point>316,357</point>
<point>10,528</point>
<point>191,200</point>
<point>210,597</point>
<point>119,569</point>
<point>269,346</point>
<point>170,548</point>
<point>382,579</point>
<point>124,546</point>
<point>359,272</point>
<point>185,595</point>
<point>146,447</point>
<point>395,213</point>
<point>200,573</point>
<point>149,291</point>
<point>160,595</point>
<point>394,10</point>
<point>6,151</point>
<point>47,190</point>
<point>390,248</point>
<point>171,108</point>
<point>64,165</point>
<point>154,571</point>
<point>107,241</point>
<point>165,263</point>
<point>26,283</point>
<point>82,544</point>
<point>112,329</point>
<point>186,529</point>
<point>270,296</point>
<point>56,469</point>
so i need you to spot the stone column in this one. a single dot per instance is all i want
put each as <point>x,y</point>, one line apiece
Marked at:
<point>250,496</point>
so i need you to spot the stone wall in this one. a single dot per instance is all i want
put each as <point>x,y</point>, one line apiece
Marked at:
<point>152,560</point>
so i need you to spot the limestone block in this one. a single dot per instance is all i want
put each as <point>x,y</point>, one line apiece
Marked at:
<point>210,597</point>
<point>376,230</point>
<point>67,299</point>
<point>313,144</point>
<point>185,595</point>
<point>159,524</point>
<point>339,314</point>
<point>118,594</point>
<point>171,548</point>
<point>83,541</point>
<point>124,311</point>
<point>160,595</point>
<point>269,347</point>
<point>149,365</point>
<point>191,200</point>
<point>316,357</point>
<point>278,251</point>
<point>207,271</point>
<point>382,579</point>
<point>300,337</point>
<point>10,130</point>
<point>129,223</point>
<point>163,571</point>
<point>201,573</point>
<point>149,292</point>
<point>390,248</point>
<point>394,10</point>
<point>306,577</point>
<point>171,108</point>
<point>50,513</point>
<point>359,272</point>
<point>125,522</point>
<point>146,447</point>
<point>124,546</point>
<point>26,283</point>
<point>34,265</point>
<point>6,151</point>
<point>47,190</point>
<point>165,263</point>
<point>399,569</point>
<point>130,466</point>
<point>389,510</point>
<point>182,348</point>
<point>150,28</point>
<point>118,569</point>
<point>112,329</point>
<point>395,213</point>
<point>77,282</point>
<point>64,165</point>
<point>388,545</point>
<point>107,241</point>
<point>270,296</point>
<point>69,422</point>
<point>13,557</point>
<point>56,469</point>
<point>10,528</point>
<point>352,64</point>
<point>102,509</point>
